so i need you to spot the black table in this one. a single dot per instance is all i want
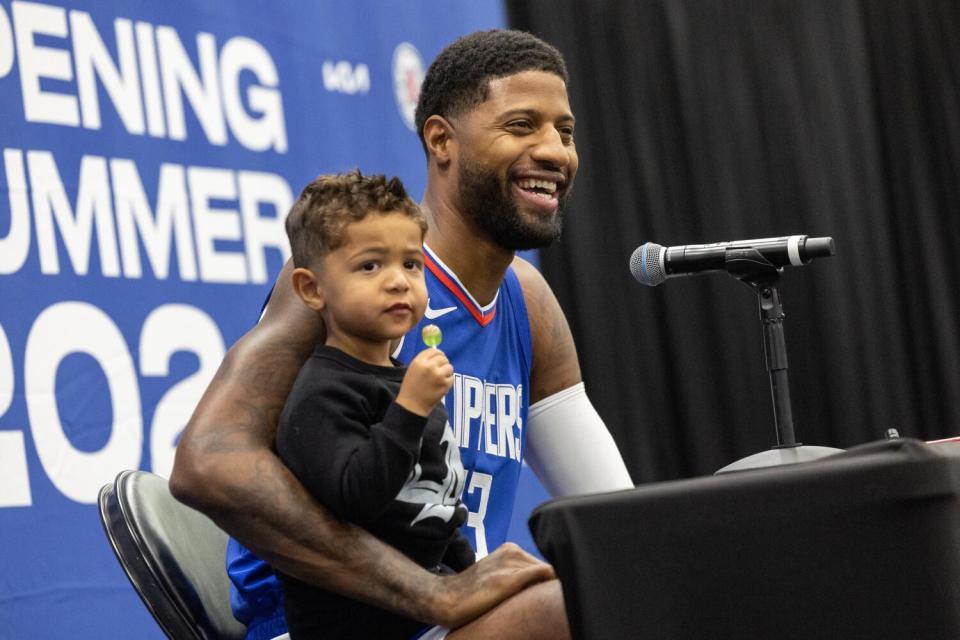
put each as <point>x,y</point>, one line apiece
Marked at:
<point>864,544</point>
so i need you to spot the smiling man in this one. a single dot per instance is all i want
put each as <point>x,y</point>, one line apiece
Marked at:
<point>498,133</point>
<point>514,161</point>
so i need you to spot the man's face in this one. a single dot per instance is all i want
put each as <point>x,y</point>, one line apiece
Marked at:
<point>517,160</point>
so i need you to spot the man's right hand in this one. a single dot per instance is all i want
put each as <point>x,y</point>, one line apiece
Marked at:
<point>498,576</point>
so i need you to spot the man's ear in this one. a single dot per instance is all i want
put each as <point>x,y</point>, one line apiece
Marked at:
<point>438,137</point>
<point>307,286</point>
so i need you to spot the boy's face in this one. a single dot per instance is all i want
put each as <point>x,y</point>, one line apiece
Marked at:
<point>372,286</point>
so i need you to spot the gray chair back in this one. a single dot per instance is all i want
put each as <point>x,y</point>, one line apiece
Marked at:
<point>173,555</point>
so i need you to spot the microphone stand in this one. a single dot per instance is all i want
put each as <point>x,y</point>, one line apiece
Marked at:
<point>752,269</point>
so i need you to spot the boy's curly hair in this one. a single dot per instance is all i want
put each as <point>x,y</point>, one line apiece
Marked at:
<point>316,222</point>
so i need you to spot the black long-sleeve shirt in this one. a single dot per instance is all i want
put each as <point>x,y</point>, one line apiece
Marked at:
<point>371,462</point>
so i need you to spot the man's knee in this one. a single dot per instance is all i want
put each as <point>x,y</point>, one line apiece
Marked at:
<point>547,616</point>
<point>536,613</point>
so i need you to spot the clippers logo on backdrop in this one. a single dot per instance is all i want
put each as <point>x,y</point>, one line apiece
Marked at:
<point>407,78</point>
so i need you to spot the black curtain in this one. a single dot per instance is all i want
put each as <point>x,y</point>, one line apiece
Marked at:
<point>710,120</point>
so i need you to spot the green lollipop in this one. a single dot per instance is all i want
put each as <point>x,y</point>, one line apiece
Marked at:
<point>432,335</point>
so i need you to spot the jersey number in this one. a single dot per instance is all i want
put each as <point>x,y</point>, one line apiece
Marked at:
<point>482,482</point>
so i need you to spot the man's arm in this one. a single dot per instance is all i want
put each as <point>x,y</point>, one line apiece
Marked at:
<point>568,446</point>
<point>225,466</point>
<point>555,364</point>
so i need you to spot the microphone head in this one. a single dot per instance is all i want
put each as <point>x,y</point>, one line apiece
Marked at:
<point>646,266</point>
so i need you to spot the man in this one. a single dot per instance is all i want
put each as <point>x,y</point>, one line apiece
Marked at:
<point>497,128</point>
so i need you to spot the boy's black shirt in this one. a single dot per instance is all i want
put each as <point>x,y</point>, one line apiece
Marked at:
<point>373,463</point>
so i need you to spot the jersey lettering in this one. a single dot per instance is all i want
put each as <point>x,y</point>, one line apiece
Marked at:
<point>486,416</point>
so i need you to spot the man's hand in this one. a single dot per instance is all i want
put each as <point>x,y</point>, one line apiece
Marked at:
<point>497,577</point>
<point>429,376</point>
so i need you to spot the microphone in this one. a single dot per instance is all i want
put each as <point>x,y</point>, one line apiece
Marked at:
<point>651,263</point>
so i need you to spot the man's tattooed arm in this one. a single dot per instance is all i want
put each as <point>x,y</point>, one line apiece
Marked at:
<point>226,467</point>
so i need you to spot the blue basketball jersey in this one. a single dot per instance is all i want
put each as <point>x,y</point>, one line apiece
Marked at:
<point>491,352</point>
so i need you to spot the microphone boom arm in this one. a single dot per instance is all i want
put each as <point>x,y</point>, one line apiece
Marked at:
<point>752,269</point>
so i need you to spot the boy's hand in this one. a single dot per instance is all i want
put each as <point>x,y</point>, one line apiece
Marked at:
<point>429,376</point>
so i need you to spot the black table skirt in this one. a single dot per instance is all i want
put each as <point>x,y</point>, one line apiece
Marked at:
<point>864,544</point>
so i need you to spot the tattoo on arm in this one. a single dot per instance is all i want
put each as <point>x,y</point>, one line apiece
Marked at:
<point>555,364</point>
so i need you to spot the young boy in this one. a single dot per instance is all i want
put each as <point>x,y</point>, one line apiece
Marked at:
<point>369,439</point>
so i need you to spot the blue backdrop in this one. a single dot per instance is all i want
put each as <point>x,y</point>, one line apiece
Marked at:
<point>150,151</point>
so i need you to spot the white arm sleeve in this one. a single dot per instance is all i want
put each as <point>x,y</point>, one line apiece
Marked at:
<point>569,447</point>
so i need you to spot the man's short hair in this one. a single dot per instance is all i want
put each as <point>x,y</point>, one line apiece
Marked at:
<point>318,219</point>
<point>459,79</point>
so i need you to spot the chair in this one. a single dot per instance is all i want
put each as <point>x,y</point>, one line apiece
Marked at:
<point>173,555</point>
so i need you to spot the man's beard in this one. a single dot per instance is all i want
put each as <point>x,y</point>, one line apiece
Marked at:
<point>488,202</point>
